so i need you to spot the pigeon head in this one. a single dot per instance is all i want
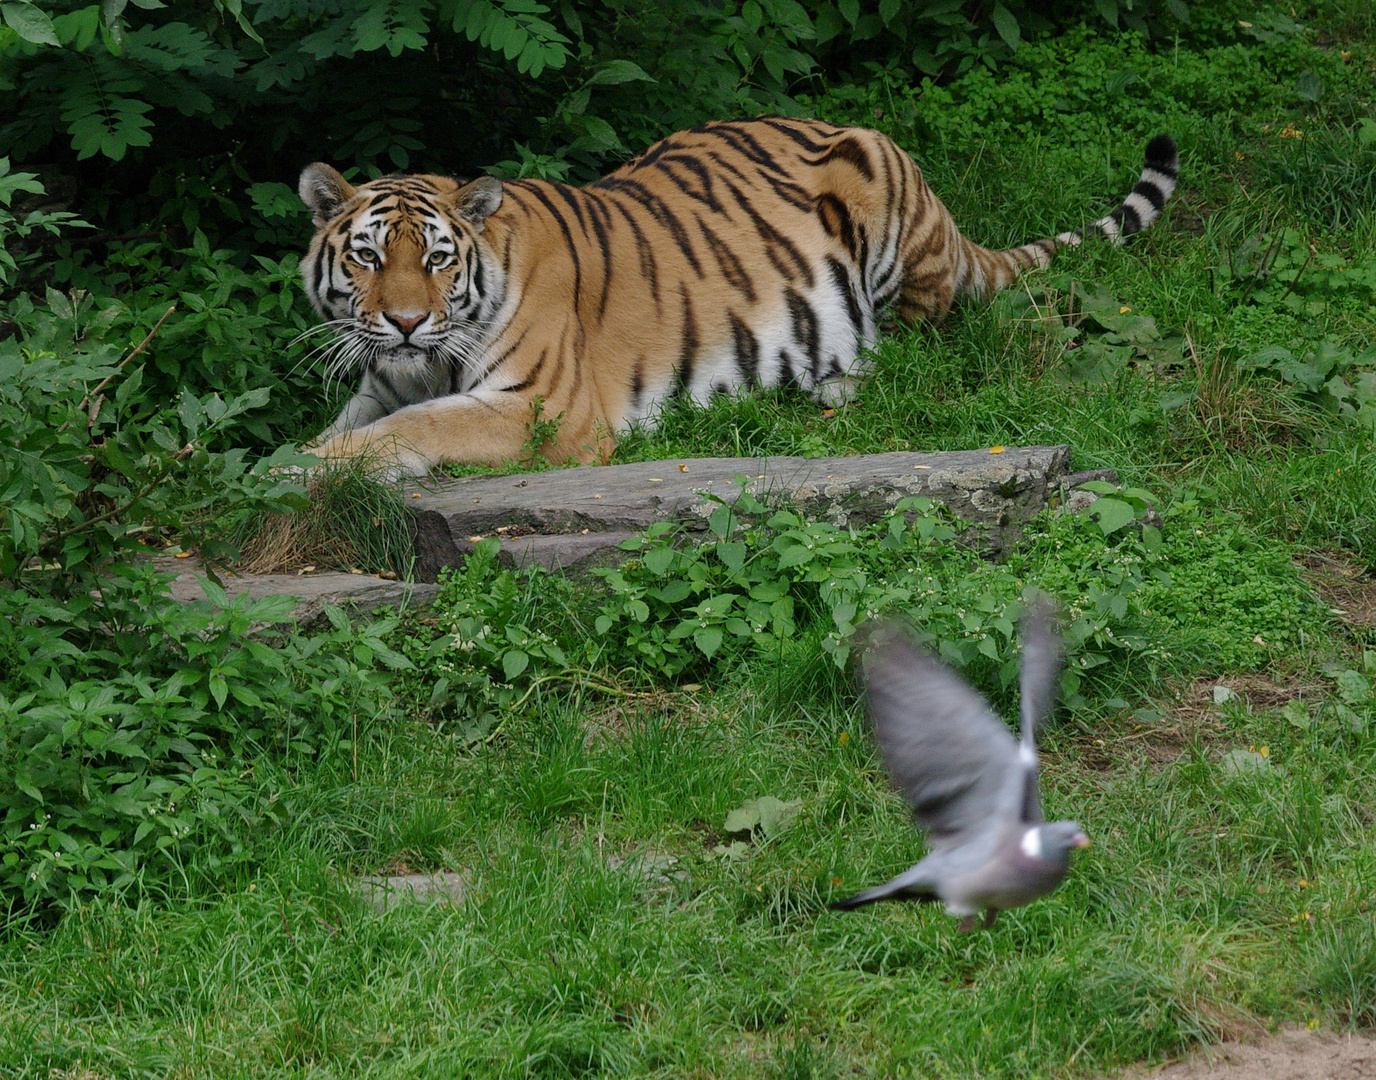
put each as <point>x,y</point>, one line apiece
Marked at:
<point>1051,842</point>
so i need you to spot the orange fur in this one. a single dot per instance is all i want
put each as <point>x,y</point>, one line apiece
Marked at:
<point>740,254</point>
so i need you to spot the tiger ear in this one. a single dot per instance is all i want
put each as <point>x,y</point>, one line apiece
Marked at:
<point>324,191</point>
<point>475,202</point>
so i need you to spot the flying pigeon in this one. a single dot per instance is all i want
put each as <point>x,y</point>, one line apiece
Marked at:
<point>971,786</point>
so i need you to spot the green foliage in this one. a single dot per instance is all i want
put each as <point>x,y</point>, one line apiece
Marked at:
<point>127,720</point>
<point>14,228</point>
<point>761,581</point>
<point>130,723</point>
<point>1099,336</point>
<point>404,83</point>
<point>235,330</point>
<point>1329,377</point>
<point>1286,271</point>
<point>88,466</point>
<point>1231,598</point>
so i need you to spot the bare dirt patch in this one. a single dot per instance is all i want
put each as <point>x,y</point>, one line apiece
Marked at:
<point>614,721</point>
<point>1343,584</point>
<point>1195,719</point>
<point>1289,1055</point>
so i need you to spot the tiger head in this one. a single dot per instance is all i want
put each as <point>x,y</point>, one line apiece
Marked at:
<point>397,270</point>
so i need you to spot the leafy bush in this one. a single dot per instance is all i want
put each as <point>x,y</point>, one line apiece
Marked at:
<point>20,228</point>
<point>128,722</point>
<point>761,581</point>
<point>89,466</point>
<point>130,726</point>
<point>1196,592</point>
<point>166,109</point>
<point>1231,598</point>
<point>235,327</point>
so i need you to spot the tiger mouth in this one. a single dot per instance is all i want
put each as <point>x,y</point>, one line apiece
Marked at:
<point>406,358</point>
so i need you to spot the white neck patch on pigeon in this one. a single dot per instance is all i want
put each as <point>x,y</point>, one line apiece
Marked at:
<point>1032,843</point>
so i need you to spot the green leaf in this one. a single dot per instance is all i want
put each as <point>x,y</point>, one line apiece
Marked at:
<point>731,553</point>
<point>1353,686</point>
<point>1296,714</point>
<point>618,71</point>
<point>1309,86</point>
<point>1006,23</point>
<point>514,662</point>
<point>1112,514</point>
<point>658,560</point>
<point>30,23</point>
<point>708,639</point>
<point>219,689</point>
<point>769,815</point>
<point>1121,82</point>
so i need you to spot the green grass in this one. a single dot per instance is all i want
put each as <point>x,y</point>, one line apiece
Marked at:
<point>1187,920</point>
<point>1215,901</point>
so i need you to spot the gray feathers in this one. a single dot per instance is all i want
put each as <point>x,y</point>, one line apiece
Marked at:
<point>969,783</point>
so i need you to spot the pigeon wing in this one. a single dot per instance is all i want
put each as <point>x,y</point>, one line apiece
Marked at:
<point>954,761</point>
<point>1041,663</point>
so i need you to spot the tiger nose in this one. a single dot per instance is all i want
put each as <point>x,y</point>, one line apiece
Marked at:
<point>404,323</point>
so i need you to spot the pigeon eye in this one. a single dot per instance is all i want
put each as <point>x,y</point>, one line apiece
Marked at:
<point>438,260</point>
<point>366,256</point>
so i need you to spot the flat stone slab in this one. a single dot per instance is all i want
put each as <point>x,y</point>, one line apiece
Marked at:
<point>568,517</point>
<point>359,592</point>
<point>446,887</point>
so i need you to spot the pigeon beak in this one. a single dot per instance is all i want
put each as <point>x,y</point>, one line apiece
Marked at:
<point>1080,841</point>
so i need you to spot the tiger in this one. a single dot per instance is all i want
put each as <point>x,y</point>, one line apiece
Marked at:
<point>741,254</point>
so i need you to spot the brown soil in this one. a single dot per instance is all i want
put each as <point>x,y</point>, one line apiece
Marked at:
<point>1344,585</point>
<point>1194,719</point>
<point>1290,1055</point>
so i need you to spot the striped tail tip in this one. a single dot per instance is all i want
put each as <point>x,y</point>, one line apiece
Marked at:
<point>1143,205</point>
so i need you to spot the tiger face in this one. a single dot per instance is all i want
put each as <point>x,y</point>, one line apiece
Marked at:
<point>397,270</point>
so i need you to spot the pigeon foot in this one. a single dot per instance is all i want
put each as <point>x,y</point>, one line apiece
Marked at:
<point>966,924</point>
